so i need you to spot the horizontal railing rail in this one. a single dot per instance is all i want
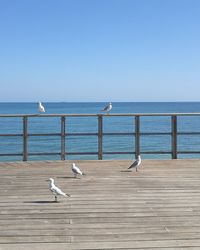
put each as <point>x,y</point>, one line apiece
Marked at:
<point>100,134</point>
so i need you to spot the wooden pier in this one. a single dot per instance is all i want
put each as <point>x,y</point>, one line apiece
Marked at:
<point>109,208</point>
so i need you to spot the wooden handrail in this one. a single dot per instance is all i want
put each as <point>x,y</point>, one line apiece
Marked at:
<point>95,115</point>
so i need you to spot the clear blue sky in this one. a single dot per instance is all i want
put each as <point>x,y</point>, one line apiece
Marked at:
<point>100,50</point>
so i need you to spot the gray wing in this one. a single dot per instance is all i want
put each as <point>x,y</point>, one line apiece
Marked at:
<point>106,107</point>
<point>58,191</point>
<point>76,170</point>
<point>135,163</point>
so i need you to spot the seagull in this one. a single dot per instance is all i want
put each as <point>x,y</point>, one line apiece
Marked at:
<point>41,108</point>
<point>136,163</point>
<point>76,170</point>
<point>55,190</point>
<point>107,107</point>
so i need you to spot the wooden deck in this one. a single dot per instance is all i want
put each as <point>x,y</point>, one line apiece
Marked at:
<point>109,208</point>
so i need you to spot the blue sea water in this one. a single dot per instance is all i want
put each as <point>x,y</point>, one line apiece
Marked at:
<point>51,144</point>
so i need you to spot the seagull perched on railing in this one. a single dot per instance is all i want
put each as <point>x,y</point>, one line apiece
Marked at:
<point>136,163</point>
<point>76,170</point>
<point>41,108</point>
<point>107,108</point>
<point>55,190</point>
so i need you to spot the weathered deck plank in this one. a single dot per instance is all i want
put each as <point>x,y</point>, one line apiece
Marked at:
<point>109,207</point>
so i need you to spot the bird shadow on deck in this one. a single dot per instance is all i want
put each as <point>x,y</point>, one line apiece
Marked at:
<point>126,171</point>
<point>41,202</point>
<point>66,177</point>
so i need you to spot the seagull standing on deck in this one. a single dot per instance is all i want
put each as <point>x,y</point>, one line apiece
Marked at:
<point>107,107</point>
<point>41,108</point>
<point>55,190</point>
<point>76,170</point>
<point>136,163</point>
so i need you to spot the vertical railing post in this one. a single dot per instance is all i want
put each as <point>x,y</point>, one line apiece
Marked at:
<point>62,138</point>
<point>25,138</point>
<point>174,136</point>
<point>137,135</point>
<point>100,137</point>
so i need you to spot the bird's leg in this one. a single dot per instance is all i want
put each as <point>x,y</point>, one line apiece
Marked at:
<point>75,175</point>
<point>55,198</point>
<point>136,169</point>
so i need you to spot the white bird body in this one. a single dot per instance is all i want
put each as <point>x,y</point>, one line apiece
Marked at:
<point>76,170</point>
<point>41,108</point>
<point>55,190</point>
<point>136,163</point>
<point>107,107</point>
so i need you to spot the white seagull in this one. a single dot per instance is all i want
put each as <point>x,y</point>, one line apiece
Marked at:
<point>55,190</point>
<point>76,170</point>
<point>107,107</point>
<point>41,108</point>
<point>136,163</point>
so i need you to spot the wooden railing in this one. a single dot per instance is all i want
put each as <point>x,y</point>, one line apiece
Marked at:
<point>136,134</point>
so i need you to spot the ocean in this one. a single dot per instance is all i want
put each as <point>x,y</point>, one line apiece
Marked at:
<point>111,143</point>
